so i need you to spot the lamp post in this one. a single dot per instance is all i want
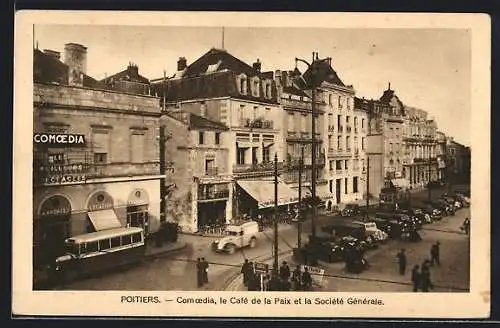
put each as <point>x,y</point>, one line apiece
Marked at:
<point>313,84</point>
<point>276,213</point>
<point>299,223</point>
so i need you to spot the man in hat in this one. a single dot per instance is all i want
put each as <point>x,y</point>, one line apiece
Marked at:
<point>402,261</point>
<point>435,254</point>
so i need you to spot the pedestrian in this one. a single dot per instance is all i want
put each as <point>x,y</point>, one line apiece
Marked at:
<point>296,278</point>
<point>252,282</point>
<point>415,277</point>
<point>245,270</point>
<point>274,282</point>
<point>286,285</point>
<point>284,271</point>
<point>426,282</point>
<point>199,274</point>
<point>204,267</point>
<point>435,254</point>
<point>466,226</point>
<point>402,261</point>
<point>306,279</point>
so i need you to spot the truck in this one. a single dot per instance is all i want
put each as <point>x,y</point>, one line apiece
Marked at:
<point>237,236</point>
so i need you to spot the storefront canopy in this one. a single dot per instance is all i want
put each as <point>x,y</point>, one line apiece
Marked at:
<point>401,183</point>
<point>323,192</point>
<point>105,219</point>
<point>263,192</point>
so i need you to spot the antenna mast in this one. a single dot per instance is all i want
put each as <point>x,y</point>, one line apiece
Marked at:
<point>223,37</point>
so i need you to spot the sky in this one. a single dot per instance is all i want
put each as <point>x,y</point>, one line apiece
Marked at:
<point>428,68</point>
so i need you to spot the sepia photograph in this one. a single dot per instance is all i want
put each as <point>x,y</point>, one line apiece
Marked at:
<point>325,161</point>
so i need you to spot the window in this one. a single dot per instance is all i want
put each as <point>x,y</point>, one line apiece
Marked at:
<point>137,146</point>
<point>136,237</point>
<point>346,164</point>
<point>104,244</point>
<point>100,146</point>
<point>348,142</point>
<point>330,99</point>
<point>304,123</point>
<point>331,165</point>
<point>362,123</point>
<point>338,165</point>
<point>347,119</point>
<point>115,242</point>
<point>363,143</point>
<point>340,102</point>
<point>210,168</point>
<point>92,247</point>
<point>330,142</point>
<point>266,155</point>
<point>217,138</point>
<point>240,156</point>
<point>339,120</point>
<point>254,155</point>
<point>355,122</point>
<point>126,240</point>
<point>241,113</point>
<point>201,137</point>
<point>290,122</point>
<point>268,90</point>
<point>331,186</point>
<point>355,184</point>
<point>346,183</point>
<point>255,112</point>
<point>243,84</point>
<point>339,143</point>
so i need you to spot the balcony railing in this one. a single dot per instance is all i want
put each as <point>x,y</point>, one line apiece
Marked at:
<point>260,167</point>
<point>257,124</point>
<point>331,128</point>
<point>123,169</point>
<point>349,129</point>
<point>212,171</point>
<point>221,194</point>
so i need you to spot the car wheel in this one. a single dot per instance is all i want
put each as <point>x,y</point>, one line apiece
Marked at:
<point>252,243</point>
<point>231,249</point>
<point>369,240</point>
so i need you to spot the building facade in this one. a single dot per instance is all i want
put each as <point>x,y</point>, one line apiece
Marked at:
<point>223,89</point>
<point>96,158</point>
<point>343,129</point>
<point>420,145</point>
<point>459,162</point>
<point>441,156</point>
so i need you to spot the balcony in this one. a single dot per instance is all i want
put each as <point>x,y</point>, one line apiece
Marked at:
<point>339,152</point>
<point>267,167</point>
<point>221,194</point>
<point>123,169</point>
<point>293,136</point>
<point>296,104</point>
<point>257,124</point>
<point>211,171</point>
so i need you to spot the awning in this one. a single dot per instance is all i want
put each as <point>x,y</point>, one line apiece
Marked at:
<point>263,192</point>
<point>103,220</point>
<point>401,183</point>
<point>323,192</point>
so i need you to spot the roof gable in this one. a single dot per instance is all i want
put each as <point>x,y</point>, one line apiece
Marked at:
<point>324,73</point>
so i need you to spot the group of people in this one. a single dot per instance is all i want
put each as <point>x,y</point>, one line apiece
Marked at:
<point>201,271</point>
<point>284,280</point>
<point>420,275</point>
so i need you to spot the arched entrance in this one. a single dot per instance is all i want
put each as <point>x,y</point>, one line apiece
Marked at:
<point>51,229</point>
<point>101,212</point>
<point>137,210</point>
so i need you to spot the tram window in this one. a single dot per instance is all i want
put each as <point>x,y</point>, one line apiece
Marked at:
<point>115,242</point>
<point>136,237</point>
<point>92,247</point>
<point>126,240</point>
<point>83,248</point>
<point>104,244</point>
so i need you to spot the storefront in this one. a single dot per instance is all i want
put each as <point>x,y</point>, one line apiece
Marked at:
<point>212,202</point>
<point>101,213</point>
<point>50,229</point>
<point>138,210</point>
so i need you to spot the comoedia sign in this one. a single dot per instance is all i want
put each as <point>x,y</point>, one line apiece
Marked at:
<point>59,139</point>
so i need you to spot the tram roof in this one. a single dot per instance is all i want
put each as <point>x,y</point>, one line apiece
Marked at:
<point>108,233</point>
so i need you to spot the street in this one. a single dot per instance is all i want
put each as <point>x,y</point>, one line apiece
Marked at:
<point>177,271</point>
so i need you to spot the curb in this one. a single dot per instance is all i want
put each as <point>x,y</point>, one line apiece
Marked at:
<point>181,246</point>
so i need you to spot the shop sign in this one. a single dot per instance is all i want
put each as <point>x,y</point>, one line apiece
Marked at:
<point>261,267</point>
<point>316,273</point>
<point>100,201</point>
<point>55,206</point>
<point>63,179</point>
<point>59,139</point>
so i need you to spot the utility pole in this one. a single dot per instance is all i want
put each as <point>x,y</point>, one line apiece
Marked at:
<point>429,191</point>
<point>299,223</point>
<point>276,213</point>
<point>367,184</point>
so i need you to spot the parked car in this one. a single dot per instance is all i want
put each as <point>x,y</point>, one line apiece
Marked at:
<point>372,229</point>
<point>351,210</point>
<point>325,247</point>
<point>347,228</point>
<point>443,207</point>
<point>452,201</point>
<point>417,221</point>
<point>237,236</point>
<point>397,225</point>
<point>424,217</point>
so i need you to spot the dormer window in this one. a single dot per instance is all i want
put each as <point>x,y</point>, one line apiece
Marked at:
<point>256,87</point>
<point>268,90</point>
<point>242,84</point>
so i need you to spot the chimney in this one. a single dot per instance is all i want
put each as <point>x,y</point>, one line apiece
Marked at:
<point>133,70</point>
<point>52,53</point>
<point>181,64</point>
<point>256,65</point>
<point>75,56</point>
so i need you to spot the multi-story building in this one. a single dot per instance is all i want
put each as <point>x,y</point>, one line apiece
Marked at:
<point>96,158</point>
<point>441,155</point>
<point>201,186</point>
<point>459,161</point>
<point>221,88</point>
<point>343,131</point>
<point>420,163</point>
<point>297,127</point>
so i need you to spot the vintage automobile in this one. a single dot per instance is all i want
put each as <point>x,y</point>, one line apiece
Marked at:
<point>349,228</point>
<point>452,201</point>
<point>442,207</point>
<point>350,210</point>
<point>425,218</point>
<point>325,247</point>
<point>397,225</point>
<point>416,221</point>
<point>237,236</point>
